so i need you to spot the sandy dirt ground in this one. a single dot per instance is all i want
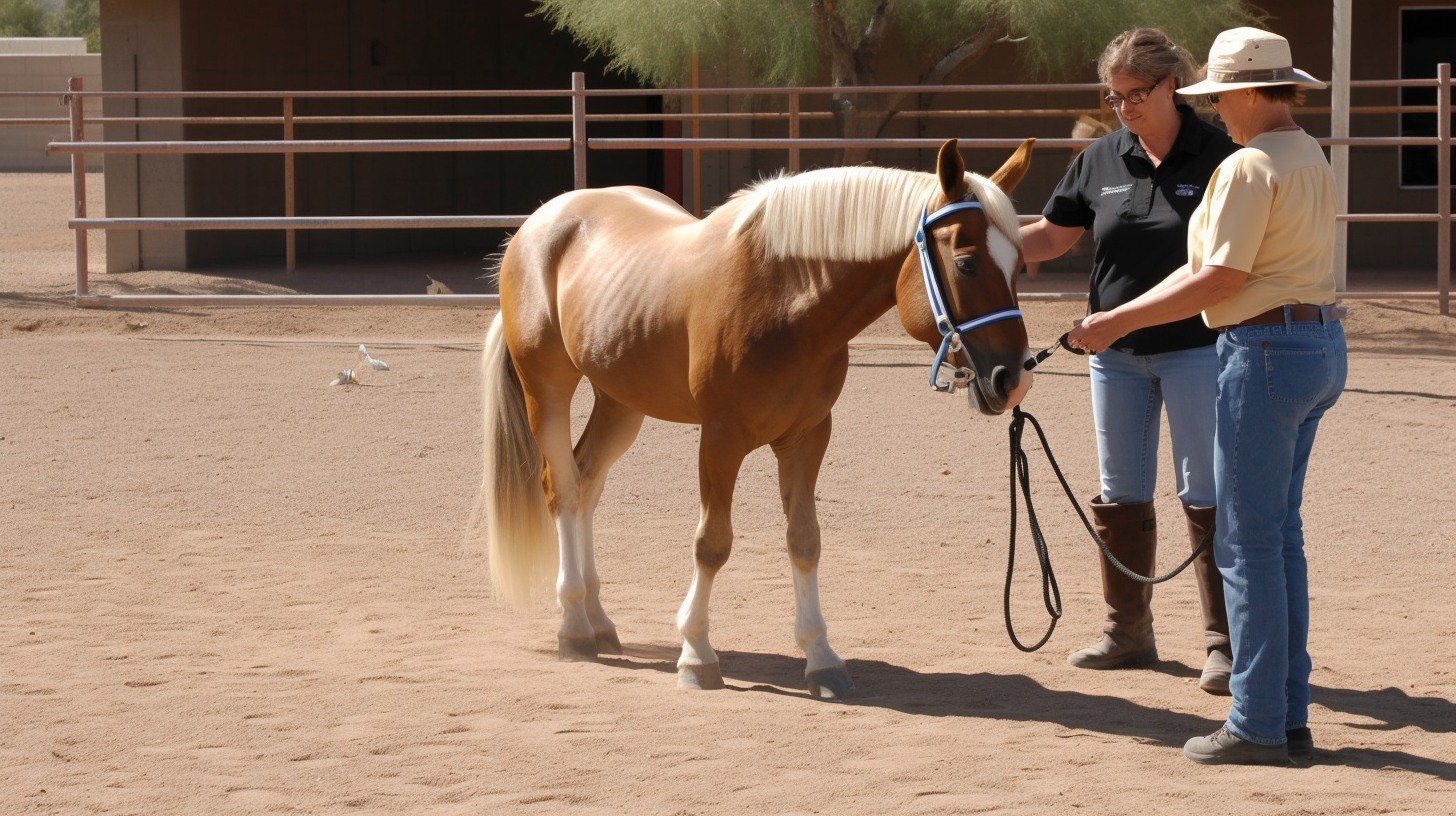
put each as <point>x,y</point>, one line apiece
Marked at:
<point>227,587</point>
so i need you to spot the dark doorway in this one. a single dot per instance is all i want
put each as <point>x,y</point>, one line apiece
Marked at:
<point>1427,39</point>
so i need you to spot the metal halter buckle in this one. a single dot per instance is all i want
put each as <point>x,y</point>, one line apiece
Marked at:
<point>960,376</point>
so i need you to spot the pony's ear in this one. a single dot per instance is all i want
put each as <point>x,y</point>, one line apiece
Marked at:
<point>952,171</point>
<point>1014,169</point>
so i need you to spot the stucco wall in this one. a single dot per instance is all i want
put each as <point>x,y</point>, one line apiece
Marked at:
<point>143,51</point>
<point>42,64</point>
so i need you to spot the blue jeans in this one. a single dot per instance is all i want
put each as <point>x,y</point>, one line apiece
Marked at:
<point>1274,384</point>
<point>1128,394</point>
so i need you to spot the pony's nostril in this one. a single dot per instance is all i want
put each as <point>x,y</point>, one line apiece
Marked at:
<point>1003,380</point>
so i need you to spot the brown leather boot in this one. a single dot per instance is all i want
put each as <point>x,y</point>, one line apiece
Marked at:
<point>1220,659</point>
<point>1131,534</point>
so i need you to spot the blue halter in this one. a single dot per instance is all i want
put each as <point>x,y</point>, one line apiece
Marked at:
<point>950,331</point>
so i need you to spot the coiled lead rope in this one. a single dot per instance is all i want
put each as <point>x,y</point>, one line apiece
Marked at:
<point>1021,472</point>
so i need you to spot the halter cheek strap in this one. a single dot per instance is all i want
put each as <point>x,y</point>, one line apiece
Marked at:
<point>950,331</point>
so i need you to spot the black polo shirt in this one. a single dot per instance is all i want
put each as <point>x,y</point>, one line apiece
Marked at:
<point>1139,215</point>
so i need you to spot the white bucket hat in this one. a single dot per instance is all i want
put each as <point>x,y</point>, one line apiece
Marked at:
<point>1249,58</point>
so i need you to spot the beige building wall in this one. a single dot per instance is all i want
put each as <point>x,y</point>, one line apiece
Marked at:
<point>30,64</point>
<point>143,51</point>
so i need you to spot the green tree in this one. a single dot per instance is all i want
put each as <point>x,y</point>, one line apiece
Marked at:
<point>22,18</point>
<point>78,18</point>
<point>850,42</point>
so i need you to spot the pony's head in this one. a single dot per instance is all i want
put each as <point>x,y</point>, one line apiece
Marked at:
<point>971,252</point>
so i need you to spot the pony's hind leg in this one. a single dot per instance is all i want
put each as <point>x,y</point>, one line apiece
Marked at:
<point>610,431</point>
<point>800,456</point>
<point>550,380</point>
<point>720,456</point>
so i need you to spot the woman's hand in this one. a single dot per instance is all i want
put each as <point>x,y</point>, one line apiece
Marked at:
<point>1182,294</point>
<point>1095,332</point>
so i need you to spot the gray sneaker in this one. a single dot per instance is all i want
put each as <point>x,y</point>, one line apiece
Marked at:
<point>1223,748</point>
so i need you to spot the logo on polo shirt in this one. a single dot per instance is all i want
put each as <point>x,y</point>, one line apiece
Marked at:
<point>1188,190</point>
<point>1121,188</point>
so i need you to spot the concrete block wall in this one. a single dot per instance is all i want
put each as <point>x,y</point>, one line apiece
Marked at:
<point>46,46</point>
<point>42,64</point>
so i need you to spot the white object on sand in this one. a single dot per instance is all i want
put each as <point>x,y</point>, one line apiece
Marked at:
<point>377,365</point>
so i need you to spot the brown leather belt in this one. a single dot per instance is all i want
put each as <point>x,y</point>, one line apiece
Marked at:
<point>1298,313</point>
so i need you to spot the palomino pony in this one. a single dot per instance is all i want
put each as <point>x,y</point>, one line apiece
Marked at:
<point>739,323</point>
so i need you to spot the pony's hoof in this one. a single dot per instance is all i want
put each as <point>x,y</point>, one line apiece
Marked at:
<point>707,677</point>
<point>576,650</point>
<point>830,684</point>
<point>609,643</point>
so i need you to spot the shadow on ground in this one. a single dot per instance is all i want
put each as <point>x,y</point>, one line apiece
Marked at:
<point>1020,698</point>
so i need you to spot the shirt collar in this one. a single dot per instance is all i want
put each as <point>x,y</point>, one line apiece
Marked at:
<point>1190,137</point>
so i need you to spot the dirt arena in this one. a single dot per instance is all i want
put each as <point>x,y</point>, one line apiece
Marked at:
<point>230,588</point>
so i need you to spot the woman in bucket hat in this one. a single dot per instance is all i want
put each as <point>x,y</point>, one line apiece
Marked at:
<point>1135,190</point>
<point>1260,269</point>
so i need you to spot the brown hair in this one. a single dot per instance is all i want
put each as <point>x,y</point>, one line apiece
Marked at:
<point>1291,95</point>
<point>1148,54</point>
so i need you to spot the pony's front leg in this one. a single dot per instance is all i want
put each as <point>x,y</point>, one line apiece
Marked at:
<point>800,456</point>
<point>719,460</point>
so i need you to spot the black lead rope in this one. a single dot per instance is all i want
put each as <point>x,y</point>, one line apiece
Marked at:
<point>1041,356</point>
<point>1021,472</point>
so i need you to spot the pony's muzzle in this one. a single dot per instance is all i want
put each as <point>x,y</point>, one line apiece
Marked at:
<point>1009,385</point>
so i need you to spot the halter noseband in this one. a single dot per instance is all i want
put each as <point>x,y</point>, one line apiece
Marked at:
<point>950,331</point>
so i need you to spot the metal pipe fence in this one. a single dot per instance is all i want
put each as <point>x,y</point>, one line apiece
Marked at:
<point>580,144</point>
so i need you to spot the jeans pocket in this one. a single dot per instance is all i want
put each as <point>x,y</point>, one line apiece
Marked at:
<point>1296,375</point>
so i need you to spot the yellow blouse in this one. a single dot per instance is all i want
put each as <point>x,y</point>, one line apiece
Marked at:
<point>1269,210</point>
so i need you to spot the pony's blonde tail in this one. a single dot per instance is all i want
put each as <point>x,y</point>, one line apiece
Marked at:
<point>522,535</point>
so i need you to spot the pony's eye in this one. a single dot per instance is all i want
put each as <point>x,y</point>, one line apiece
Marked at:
<point>968,264</point>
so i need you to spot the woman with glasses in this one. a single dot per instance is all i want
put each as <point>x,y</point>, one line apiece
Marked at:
<point>1261,269</point>
<point>1135,189</point>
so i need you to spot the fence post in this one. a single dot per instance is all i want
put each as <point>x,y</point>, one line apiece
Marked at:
<point>289,199</point>
<point>78,182</point>
<point>578,129</point>
<point>1340,128</point>
<point>1443,186</point>
<point>793,131</point>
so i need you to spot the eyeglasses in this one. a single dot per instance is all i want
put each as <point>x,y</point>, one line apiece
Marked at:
<point>1213,99</point>
<point>1136,96</point>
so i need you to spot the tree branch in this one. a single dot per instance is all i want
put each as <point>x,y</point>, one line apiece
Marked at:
<point>873,41</point>
<point>829,27</point>
<point>964,54</point>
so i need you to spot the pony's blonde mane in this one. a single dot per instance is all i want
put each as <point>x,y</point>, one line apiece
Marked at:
<point>852,213</point>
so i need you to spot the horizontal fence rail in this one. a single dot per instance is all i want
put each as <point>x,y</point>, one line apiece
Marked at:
<point>578,144</point>
<point>306,222</point>
<point>314,146</point>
